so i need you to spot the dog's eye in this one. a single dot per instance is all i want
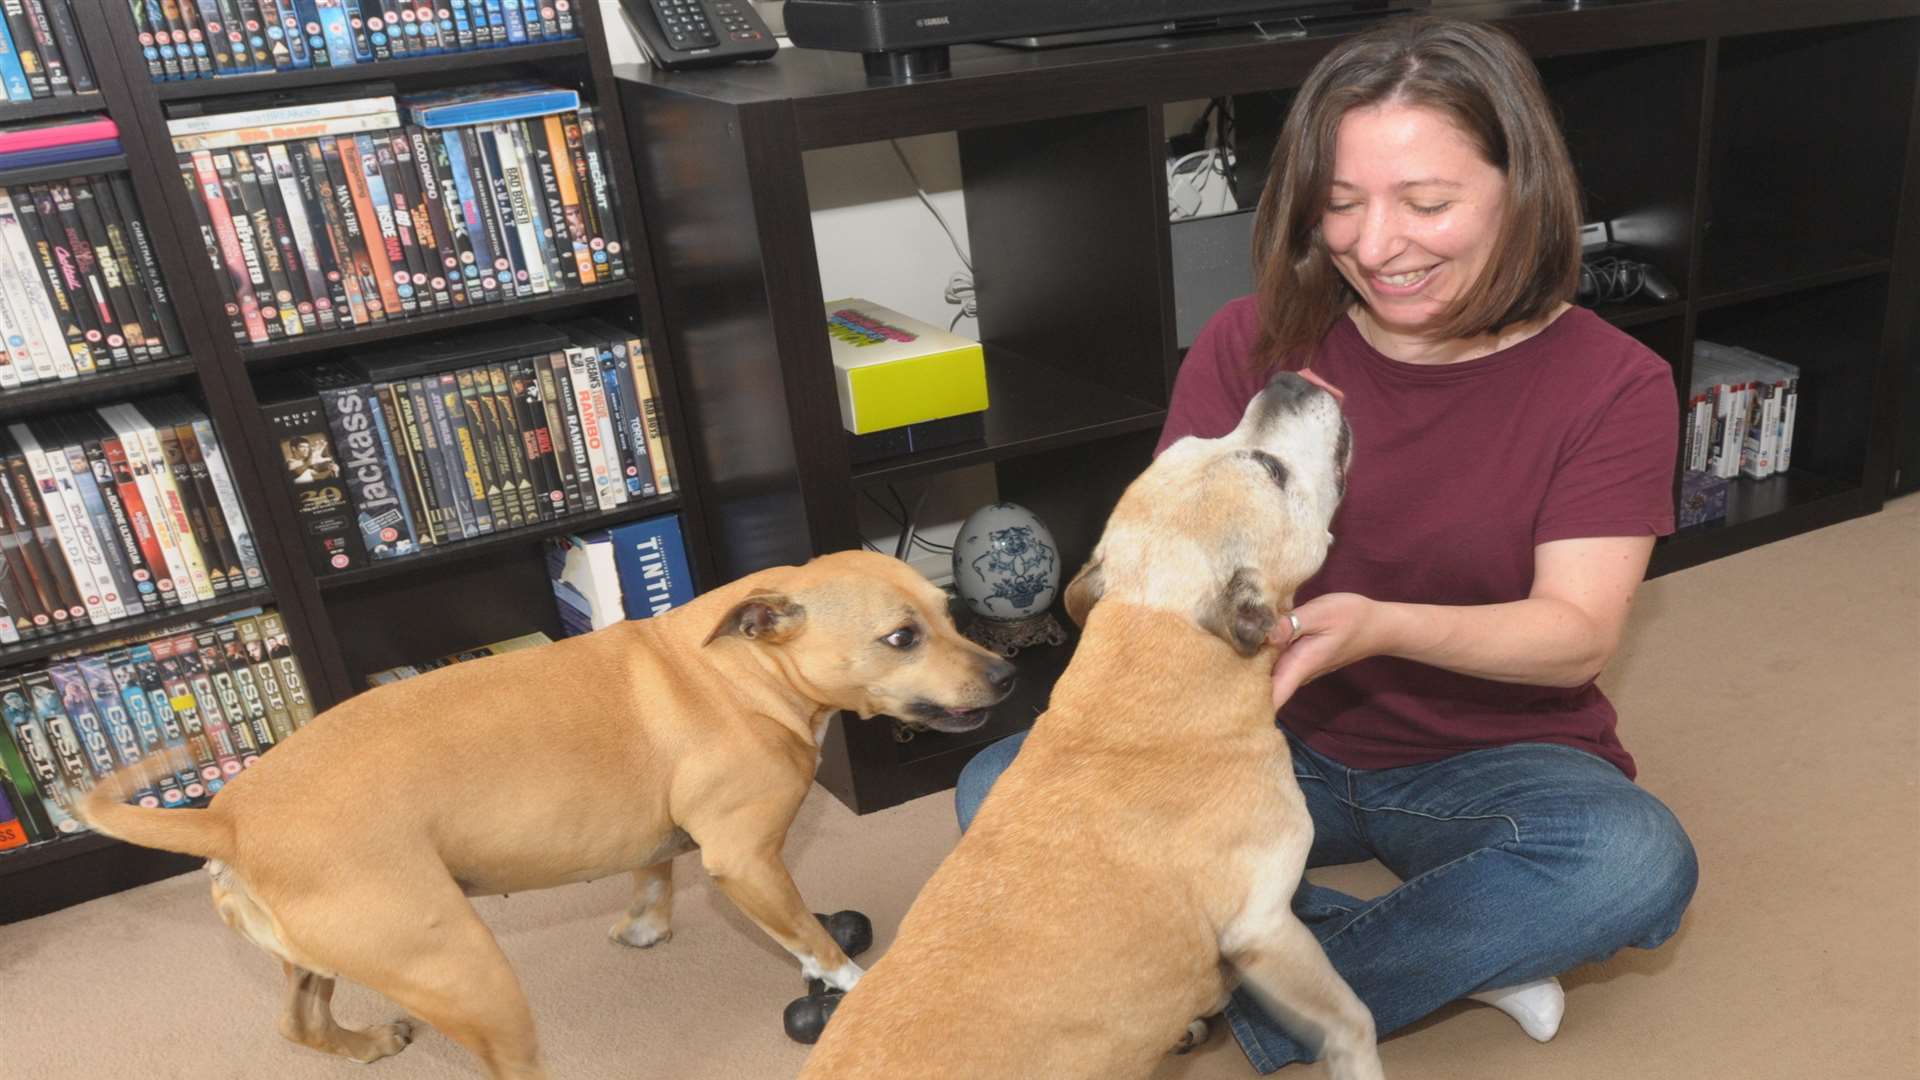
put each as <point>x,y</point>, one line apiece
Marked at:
<point>1275,470</point>
<point>904,638</point>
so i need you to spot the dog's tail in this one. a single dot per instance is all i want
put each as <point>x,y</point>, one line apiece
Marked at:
<point>207,833</point>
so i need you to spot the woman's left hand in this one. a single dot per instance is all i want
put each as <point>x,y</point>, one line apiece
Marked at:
<point>1335,630</point>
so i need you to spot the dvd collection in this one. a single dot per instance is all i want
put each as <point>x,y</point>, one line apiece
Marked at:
<point>467,435</point>
<point>1740,412</point>
<point>120,511</point>
<point>191,708</point>
<point>333,214</point>
<point>80,289</point>
<point>200,39</point>
<point>40,51</point>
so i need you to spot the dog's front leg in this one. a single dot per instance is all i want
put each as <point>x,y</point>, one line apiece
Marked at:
<point>754,878</point>
<point>1289,974</point>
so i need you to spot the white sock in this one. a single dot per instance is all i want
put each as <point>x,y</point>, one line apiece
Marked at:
<point>1537,1006</point>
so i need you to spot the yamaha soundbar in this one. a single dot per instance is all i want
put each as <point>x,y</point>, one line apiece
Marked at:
<point>909,38</point>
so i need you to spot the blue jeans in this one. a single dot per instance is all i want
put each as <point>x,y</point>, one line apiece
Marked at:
<point>1518,863</point>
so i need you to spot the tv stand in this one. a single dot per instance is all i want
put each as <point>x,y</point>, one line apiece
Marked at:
<point>901,40</point>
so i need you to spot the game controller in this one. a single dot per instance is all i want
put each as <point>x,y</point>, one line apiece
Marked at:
<point>1612,279</point>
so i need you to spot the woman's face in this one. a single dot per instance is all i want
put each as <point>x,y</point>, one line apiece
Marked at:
<point>1413,215</point>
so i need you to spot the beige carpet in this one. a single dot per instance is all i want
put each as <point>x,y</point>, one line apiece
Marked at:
<point>1773,700</point>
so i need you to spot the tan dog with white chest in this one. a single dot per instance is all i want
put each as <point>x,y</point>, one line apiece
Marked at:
<point>350,850</point>
<point>1144,847</point>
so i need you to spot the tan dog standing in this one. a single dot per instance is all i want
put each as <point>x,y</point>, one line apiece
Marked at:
<point>1150,834</point>
<point>350,851</point>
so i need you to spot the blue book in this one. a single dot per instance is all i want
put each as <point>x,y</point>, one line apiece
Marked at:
<point>495,21</point>
<point>294,36</point>
<point>651,558</point>
<point>336,29</point>
<point>470,210</point>
<point>459,25</point>
<point>12,75</point>
<point>518,103</point>
<point>516,22</point>
<point>530,17</point>
<point>49,155</point>
<point>430,38</point>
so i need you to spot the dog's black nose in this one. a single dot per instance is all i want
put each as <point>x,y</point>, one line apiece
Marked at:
<point>1001,676</point>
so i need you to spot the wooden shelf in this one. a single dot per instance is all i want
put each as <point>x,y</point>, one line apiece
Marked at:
<point>1860,267</point>
<point>1034,406</point>
<point>74,869</point>
<point>1761,512</point>
<point>63,170</point>
<point>114,385</point>
<point>13,112</point>
<point>311,344</point>
<point>203,89</point>
<point>1631,314</point>
<point>52,851</point>
<point>478,547</point>
<point>90,636</point>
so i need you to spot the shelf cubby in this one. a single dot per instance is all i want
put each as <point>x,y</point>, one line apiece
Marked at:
<point>1035,406</point>
<point>1807,150</point>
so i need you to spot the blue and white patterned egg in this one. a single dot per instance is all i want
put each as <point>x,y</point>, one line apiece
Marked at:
<point>1006,565</point>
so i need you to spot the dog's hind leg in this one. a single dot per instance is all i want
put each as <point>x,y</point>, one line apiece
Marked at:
<point>650,920</point>
<point>1288,972</point>
<point>309,1021</point>
<point>439,962</point>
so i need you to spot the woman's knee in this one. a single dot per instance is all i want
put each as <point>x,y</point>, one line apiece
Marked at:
<point>1637,868</point>
<point>978,775</point>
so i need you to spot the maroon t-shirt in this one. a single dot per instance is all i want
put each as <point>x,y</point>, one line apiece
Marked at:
<point>1459,470</point>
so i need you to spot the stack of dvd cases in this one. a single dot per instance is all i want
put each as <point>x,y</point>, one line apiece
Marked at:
<point>467,436</point>
<point>332,215</point>
<point>201,39</point>
<point>192,707</point>
<point>40,51</point>
<point>80,288</point>
<point>117,512</point>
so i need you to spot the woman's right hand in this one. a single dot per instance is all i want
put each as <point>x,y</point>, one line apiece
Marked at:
<point>1335,630</point>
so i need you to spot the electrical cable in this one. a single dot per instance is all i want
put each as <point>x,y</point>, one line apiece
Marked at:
<point>960,286</point>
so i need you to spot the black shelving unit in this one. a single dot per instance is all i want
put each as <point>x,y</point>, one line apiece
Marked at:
<point>342,628</point>
<point>337,613</point>
<point>1762,155</point>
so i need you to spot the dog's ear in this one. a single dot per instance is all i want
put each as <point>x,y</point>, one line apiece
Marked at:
<point>1084,590</point>
<point>762,616</point>
<point>1242,615</point>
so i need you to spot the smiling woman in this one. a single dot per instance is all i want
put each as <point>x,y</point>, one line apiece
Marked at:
<point>1512,462</point>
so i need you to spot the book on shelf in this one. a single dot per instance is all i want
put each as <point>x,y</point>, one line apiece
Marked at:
<point>65,139</point>
<point>199,39</point>
<point>188,707</point>
<point>41,55</point>
<point>1742,406</point>
<point>408,671</point>
<point>340,213</point>
<point>632,571</point>
<point>81,291</point>
<point>460,436</point>
<point>117,512</point>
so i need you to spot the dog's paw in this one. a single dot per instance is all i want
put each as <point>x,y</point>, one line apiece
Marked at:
<point>640,935</point>
<point>383,1040</point>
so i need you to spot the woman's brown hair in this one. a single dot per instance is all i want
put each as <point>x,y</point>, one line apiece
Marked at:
<point>1480,79</point>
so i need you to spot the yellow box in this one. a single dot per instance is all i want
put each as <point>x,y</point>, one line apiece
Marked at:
<point>892,370</point>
